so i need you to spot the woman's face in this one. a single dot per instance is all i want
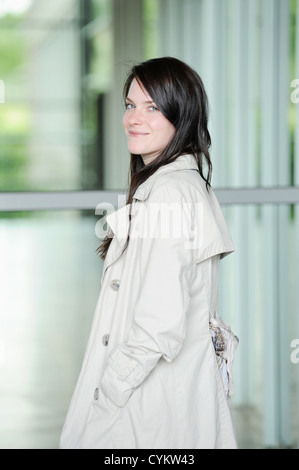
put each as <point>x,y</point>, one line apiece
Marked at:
<point>147,129</point>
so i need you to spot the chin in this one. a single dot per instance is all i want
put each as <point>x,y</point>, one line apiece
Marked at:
<point>136,150</point>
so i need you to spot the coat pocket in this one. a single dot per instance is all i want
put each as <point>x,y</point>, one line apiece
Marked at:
<point>103,429</point>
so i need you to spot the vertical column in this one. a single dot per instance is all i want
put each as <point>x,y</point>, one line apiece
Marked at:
<point>296,156</point>
<point>220,84</point>
<point>269,226</point>
<point>250,89</point>
<point>127,50</point>
<point>190,22</point>
<point>207,53</point>
<point>242,317</point>
<point>284,223</point>
<point>171,29</point>
<point>214,70</point>
<point>163,27</point>
<point>227,277</point>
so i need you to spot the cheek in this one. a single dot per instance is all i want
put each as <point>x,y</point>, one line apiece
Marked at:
<point>164,127</point>
<point>169,132</point>
<point>125,121</point>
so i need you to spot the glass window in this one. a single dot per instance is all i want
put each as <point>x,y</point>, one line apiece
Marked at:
<point>259,298</point>
<point>59,108</point>
<point>151,25</point>
<point>245,53</point>
<point>40,134</point>
<point>50,280</point>
<point>97,70</point>
<point>55,65</point>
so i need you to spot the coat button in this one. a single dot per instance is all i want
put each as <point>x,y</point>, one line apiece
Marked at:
<point>105,340</point>
<point>96,394</point>
<point>115,284</point>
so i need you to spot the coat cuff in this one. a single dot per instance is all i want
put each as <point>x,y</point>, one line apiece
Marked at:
<point>122,375</point>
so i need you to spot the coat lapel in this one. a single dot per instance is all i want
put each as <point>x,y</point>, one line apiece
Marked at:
<point>118,223</point>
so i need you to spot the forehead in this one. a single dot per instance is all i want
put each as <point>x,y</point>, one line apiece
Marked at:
<point>137,92</point>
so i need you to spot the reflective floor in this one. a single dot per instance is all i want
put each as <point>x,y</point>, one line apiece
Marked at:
<point>50,280</point>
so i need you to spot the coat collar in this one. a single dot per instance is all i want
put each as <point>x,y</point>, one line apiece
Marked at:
<point>183,162</point>
<point>118,221</point>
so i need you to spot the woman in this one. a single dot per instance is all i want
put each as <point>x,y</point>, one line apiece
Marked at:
<point>150,375</point>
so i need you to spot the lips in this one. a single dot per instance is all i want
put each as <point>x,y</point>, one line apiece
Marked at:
<point>137,134</point>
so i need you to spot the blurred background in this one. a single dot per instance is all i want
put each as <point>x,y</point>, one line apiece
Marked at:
<point>63,151</point>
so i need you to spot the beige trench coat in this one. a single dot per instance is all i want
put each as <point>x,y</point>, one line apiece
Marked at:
<point>149,377</point>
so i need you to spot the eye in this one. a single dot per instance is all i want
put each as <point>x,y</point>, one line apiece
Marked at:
<point>153,108</point>
<point>129,106</point>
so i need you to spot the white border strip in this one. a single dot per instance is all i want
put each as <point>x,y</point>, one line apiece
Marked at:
<point>88,200</point>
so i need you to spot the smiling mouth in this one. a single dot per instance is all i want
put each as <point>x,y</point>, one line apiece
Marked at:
<point>137,134</point>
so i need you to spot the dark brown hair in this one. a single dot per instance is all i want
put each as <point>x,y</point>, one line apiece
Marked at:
<point>179,93</point>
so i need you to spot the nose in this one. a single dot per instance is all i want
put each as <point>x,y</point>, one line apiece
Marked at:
<point>135,117</point>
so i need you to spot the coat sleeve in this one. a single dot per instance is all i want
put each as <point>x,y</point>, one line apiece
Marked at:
<point>159,325</point>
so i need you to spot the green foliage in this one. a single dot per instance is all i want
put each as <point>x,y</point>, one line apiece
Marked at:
<point>150,36</point>
<point>14,120</point>
<point>12,46</point>
<point>12,164</point>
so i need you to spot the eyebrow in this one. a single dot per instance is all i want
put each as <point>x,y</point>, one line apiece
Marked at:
<point>146,102</point>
